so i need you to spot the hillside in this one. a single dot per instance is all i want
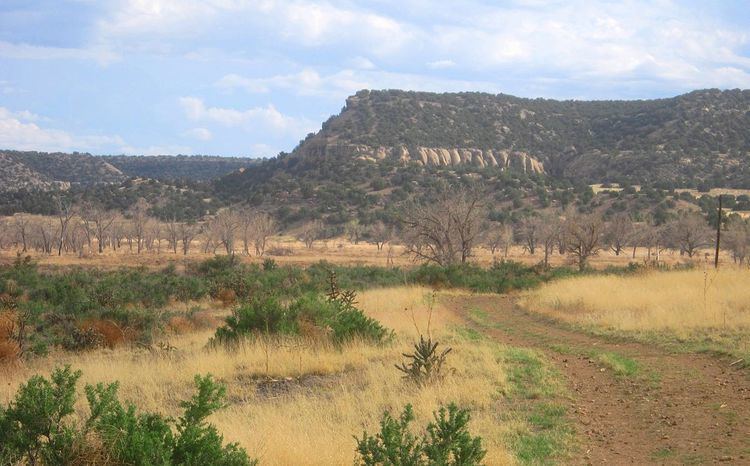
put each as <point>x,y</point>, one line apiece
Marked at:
<point>42,170</point>
<point>48,171</point>
<point>178,167</point>
<point>700,137</point>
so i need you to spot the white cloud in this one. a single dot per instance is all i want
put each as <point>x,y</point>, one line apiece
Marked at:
<point>101,55</point>
<point>201,134</point>
<point>18,130</point>
<point>308,23</point>
<point>362,63</point>
<point>439,64</point>
<point>195,109</point>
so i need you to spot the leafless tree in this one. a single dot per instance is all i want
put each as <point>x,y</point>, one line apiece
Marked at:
<point>224,226</point>
<point>138,223</point>
<point>688,233</point>
<point>187,232</point>
<point>445,230</point>
<point>548,231</point>
<point>380,234</point>
<point>584,235</point>
<point>492,237</point>
<point>527,233</point>
<point>263,226</point>
<point>171,230</point>
<point>354,231</point>
<point>99,220</point>
<point>21,224</point>
<point>65,212</point>
<point>44,233</point>
<point>617,232</point>
<point>311,232</point>
<point>737,238</point>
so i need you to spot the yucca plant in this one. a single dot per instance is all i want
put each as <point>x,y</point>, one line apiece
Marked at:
<point>425,363</point>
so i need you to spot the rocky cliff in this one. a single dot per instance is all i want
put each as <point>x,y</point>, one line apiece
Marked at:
<point>430,156</point>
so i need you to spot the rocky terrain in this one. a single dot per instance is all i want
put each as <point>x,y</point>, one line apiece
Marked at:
<point>700,137</point>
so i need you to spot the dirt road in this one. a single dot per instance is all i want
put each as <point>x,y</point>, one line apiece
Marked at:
<point>678,408</point>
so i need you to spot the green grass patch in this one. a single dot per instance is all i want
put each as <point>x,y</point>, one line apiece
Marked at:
<point>621,365</point>
<point>662,454</point>
<point>544,434</point>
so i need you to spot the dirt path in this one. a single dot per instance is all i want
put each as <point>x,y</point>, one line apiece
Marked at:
<point>678,408</point>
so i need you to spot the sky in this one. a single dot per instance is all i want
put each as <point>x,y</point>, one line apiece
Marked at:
<point>254,77</point>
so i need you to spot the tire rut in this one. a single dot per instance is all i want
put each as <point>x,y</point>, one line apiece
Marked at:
<point>694,410</point>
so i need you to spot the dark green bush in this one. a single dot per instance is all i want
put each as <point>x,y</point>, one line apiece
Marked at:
<point>265,315</point>
<point>35,428</point>
<point>447,441</point>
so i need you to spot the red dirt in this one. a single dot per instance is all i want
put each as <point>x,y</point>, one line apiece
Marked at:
<point>695,411</point>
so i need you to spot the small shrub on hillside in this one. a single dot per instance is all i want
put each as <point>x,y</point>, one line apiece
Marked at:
<point>36,427</point>
<point>266,315</point>
<point>447,441</point>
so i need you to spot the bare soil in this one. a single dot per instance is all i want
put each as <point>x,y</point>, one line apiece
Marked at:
<point>678,409</point>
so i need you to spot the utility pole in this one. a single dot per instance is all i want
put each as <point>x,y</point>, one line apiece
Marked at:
<point>718,236</point>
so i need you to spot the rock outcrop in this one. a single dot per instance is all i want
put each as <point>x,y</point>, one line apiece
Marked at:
<point>434,156</point>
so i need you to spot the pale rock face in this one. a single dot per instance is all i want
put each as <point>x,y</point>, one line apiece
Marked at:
<point>455,157</point>
<point>445,156</point>
<point>491,158</point>
<point>438,156</point>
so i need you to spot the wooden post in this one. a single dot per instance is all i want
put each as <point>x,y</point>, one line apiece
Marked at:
<point>718,236</point>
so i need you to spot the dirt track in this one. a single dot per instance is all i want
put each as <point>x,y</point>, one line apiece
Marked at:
<point>679,409</point>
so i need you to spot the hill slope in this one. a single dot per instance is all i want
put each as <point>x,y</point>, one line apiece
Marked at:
<point>700,137</point>
<point>45,171</point>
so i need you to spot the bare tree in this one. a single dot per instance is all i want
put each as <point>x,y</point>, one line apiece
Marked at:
<point>263,226</point>
<point>584,234</point>
<point>444,231</point>
<point>527,233</point>
<point>548,231</point>
<point>617,232</point>
<point>100,220</point>
<point>380,234</point>
<point>138,223</point>
<point>187,232</point>
<point>688,233</point>
<point>65,212</point>
<point>492,236</point>
<point>311,232</point>
<point>21,224</point>
<point>224,225</point>
<point>171,229</point>
<point>737,238</point>
<point>43,229</point>
<point>354,231</point>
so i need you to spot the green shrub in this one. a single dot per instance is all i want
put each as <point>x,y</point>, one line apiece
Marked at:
<point>265,315</point>
<point>447,441</point>
<point>35,428</point>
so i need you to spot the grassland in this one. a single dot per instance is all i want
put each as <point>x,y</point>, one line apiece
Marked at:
<point>296,400</point>
<point>697,310</point>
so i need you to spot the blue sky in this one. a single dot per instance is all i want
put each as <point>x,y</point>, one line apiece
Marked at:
<point>253,77</point>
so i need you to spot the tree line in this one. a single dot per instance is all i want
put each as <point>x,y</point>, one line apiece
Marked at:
<point>445,231</point>
<point>90,227</point>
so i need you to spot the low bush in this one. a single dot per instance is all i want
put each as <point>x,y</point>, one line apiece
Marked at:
<point>266,315</point>
<point>36,428</point>
<point>447,441</point>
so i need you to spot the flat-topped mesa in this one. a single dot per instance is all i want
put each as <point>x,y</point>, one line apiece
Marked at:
<point>437,156</point>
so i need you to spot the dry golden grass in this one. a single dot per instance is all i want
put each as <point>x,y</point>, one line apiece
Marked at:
<point>296,401</point>
<point>680,301</point>
<point>336,251</point>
